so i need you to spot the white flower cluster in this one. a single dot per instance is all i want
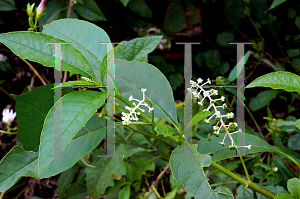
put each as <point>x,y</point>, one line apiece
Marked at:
<point>196,89</point>
<point>133,115</point>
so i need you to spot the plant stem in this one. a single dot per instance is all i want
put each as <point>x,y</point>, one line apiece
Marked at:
<point>254,122</point>
<point>9,95</point>
<point>70,8</point>
<point>37,74</point>
<point>223,183</point>
<point>244,182</point>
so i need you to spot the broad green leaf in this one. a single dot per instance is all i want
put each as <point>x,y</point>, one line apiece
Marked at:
<point>284,196</point>
<point>76,83</point>
<point>278,80</point>
<point>138,48</point>
<point>131,76</point>
<point>236,70</point>
<point>64,180</point>
<point>106,61</point>
<point>100,177</point>
<point>125,192</point>
<point>224,38</point>
<point>15,164</point>
<point>140,7</point>
<point>33,46</point>
<point>118,184</point>
<point>77,108</point>
<point>243,192</point>
<point>89,10</point>
<point>174,20</point>
<point>293,186</point>
<point>7,5</point>
<point>297,123</point>
<point>164,129</point>
<point>211,145</point>
<point>76,191</point>
<point>293,52</point>
<point>85,36</point>
<point>262,99</point>
<point>125,2</point>
<point>86,140</point>
<point>197,118</point>
<point>187,168</point>
<point>276,3</point>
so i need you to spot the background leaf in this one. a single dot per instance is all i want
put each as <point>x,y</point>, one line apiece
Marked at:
<point>276,3</point>
<point>297,123</point>
<point>140,7</point>
<point>7,5</point>
<point>32,108</point>
<point>138,48</point>
<point>164,129</point>
<point>65,179</point>
<point>262,99</point>
<point>278,80</point>
<point>89,10</point>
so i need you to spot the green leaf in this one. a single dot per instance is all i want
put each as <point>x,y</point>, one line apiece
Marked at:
<point>224,38</point>
<point>278,80</point>
<point>138,48</point>
<point>89,10</point>
<point>32,108</point>
<point>106,61</point>
<point>297,123</point>
<point>293,52</point>
<point>234,11</point>
<point>132,76</point>
<point>7,5</point>
<point>15,164</point>
<point>100,177</point>
<point>118,184</point>
<point>211,145</point>
<point>197,118</point>
<point>125,2</point>
<point>77,108</point>
<point>187,168</point>
<point>213,59</point>
<point>140,7</point>
<point>243,192</point>
<point>262,99</point>
<point>273,189</point>
<point>64,180</point>
<point>82,34</point>
<point>297,22</point>
<point>276,3</point>
<point>76,191</point>
<point>86,140</point>
<point>284,196</point>
<point>164,129</point>
<point>125,192</point>
<point>293,141</point>
<point>175,17</point>
<point>32,46</point>
<point>76,83</point>
<point>293,186</point>
<point>235,70</point>
<point>54,8</point>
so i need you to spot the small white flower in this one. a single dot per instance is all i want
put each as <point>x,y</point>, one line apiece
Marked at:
<point>143,90</point>
<point>229,115</point>
<point>199,80</point>
<point>274,169</point>
<point>249,147</point>
<point>215,128</point>
<point>130,98</point>
<point>222,98</point>
<point>189,89</point>
<point>208,80</point>
<point>200,103</point>
<point>8,116</point>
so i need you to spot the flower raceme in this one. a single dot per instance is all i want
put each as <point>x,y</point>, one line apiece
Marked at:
<point>132,115</point>
<point>8,116</point>
<point>196,89</point>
